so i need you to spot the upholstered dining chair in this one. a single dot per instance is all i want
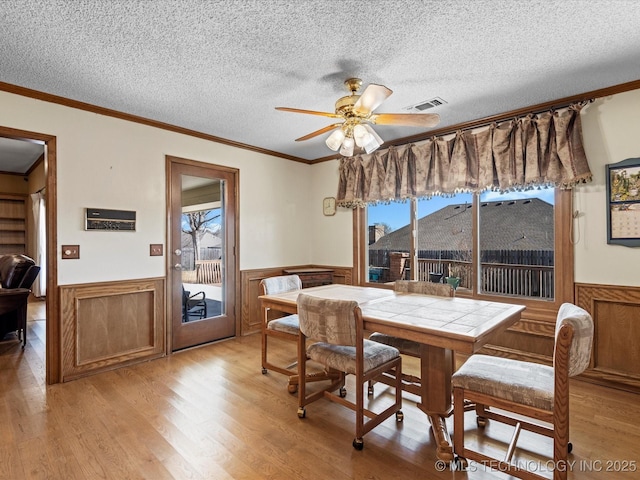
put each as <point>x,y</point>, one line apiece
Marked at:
<point>525,389</point>
<point>336,327</point>
<point>410,383</point>
<point>285,328</point>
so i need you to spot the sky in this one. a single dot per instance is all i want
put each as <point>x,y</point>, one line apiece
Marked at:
<point>396,214</point>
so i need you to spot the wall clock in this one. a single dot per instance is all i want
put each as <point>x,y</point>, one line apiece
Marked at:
<point>329,206</point>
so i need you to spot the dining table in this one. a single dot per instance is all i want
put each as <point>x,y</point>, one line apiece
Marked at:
<point>441,325</point>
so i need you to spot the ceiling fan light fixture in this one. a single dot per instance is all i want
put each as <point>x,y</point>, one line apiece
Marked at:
<point>334,140</point>
<point>372,146</point>
<point>374,140</point>
<point>373,133</point>
<point>347,147</point>
<point>361,135</point>
<point>357,113</point>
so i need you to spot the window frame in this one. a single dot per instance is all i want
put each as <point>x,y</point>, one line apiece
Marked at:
<point>563,257</point>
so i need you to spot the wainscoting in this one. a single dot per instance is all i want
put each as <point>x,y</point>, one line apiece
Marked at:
<point>530,340</point>
<point>107,325</point>
<point>615,360</point>
<point>112,324</point>
<point>250,281</point>
<point>616,316</point>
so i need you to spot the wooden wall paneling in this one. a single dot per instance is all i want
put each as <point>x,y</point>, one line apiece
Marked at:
<point>528,340</point>
<point>531,339</point>
<point>615,360</point>
<point>612,352</point>
<point>250,285</point>
<point>342,275</point>
<point>251,315</point>
<point>108,325</point>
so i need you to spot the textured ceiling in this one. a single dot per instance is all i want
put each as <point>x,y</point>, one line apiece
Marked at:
<point>220,67</point>
<point>18,155</point>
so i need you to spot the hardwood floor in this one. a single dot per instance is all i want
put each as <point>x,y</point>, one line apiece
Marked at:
<point>209,413</point>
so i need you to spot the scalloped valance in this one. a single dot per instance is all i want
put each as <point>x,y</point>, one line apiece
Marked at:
<point>535,150</point>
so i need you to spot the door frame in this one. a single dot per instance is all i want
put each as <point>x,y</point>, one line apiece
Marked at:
<point>170,161</point>
<point>53,358</point>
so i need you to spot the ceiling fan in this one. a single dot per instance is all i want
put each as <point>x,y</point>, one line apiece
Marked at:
<point>356,111</point>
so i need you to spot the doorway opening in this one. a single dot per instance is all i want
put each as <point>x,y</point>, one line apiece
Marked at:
<point>27,172</point>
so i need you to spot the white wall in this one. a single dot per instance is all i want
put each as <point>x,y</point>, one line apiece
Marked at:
<point>611,133</point>
<point>109,163</point>
<point>331,242</point>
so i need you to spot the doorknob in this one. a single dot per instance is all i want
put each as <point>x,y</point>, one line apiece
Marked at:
<point>178,252</point>
<point>177,266</point>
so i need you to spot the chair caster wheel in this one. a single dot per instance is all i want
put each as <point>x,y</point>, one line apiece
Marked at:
<point>302,412</point>
<point>292,389</point>
<point>358,443</point>
<point>460,463</point>
<point>481,422</point>
<point>569,447</point>
<point>399,416</point>
<point>342,392</point>
<point>264,371</point>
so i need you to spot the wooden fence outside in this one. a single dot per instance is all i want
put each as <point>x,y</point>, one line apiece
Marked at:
<point>523,273</point>
<point>208,272</point>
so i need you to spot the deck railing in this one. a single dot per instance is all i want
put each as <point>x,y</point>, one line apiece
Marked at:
<point>513,279</point>
<point>208,272</point>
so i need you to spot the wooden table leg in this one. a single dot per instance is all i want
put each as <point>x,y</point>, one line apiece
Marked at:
<point>436,366</point>
<point>444,449</point>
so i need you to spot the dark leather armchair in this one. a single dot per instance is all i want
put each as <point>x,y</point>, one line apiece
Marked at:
<point>17,274</point>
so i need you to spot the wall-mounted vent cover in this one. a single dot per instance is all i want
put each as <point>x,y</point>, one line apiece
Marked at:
<point>434,102</point>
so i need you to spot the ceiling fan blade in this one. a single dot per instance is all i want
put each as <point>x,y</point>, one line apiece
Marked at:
<point>409,119</point>
<point>371,99</point>
<point>318,132</point>
<point>310,112</point>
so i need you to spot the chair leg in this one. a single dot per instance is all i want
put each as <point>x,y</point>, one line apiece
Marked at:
<point>358,442</point>
<point>561,448</point>
<point>264,352</point>
<point>22,312</point>
<point>376,419</point>
<point>481,415</point>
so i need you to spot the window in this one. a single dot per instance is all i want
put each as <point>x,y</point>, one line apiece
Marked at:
<point>498,245</point>
<point>388,231</point>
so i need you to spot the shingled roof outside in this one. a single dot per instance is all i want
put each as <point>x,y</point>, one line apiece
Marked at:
<point>505,225</point>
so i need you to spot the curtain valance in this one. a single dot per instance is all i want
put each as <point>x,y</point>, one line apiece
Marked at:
<point>535,150</point>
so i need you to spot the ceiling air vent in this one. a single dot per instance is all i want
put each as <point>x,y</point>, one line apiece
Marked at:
<point>434,102</point>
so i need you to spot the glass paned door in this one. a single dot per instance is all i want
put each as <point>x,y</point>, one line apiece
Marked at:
<point>202,244</point>
<point>202,260</point>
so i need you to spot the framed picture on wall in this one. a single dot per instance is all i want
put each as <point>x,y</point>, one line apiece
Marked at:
<point>623,202</point>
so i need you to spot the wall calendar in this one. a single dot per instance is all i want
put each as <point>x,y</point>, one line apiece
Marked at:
<point>623,198</point>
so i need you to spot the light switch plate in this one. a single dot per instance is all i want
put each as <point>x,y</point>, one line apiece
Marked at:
<point>155,250</point>
<point>70,252</point>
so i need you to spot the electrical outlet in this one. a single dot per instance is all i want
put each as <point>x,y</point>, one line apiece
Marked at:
<point>70,252</point>
<point>155,249</point>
